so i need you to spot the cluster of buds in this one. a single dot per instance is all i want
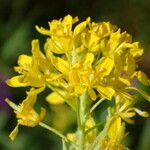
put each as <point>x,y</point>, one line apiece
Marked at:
<point>83,65</point>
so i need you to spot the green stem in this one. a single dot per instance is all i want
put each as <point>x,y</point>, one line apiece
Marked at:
<point>95,106</point>
<point>80,127</point>
<point>53,130</point>
<point>64,146</point>
<point>81,139</point>
<point>57,133</point>
<point>82,105</point>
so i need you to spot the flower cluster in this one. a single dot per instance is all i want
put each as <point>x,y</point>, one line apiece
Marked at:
<point>92,59</point>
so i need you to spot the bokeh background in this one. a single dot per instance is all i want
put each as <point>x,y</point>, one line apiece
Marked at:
<point>17,28</point>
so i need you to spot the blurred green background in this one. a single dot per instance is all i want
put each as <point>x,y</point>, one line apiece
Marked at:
<point>17,28</point>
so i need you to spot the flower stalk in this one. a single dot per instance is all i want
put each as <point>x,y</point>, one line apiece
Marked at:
<point>43,125</point>
<point>53,130</point>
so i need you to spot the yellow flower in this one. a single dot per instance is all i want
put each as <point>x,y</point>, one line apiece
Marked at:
<point>61,35</point>
<point>119,43</point>
<point>123,76</point>
<point>93,58</point>
<point>25,113</point>
<point>33,69</point>
<point>82,75</point>
<point>113,135</point>
<point>91,135</point>
<point>125,108</point>
<point>86,35</point>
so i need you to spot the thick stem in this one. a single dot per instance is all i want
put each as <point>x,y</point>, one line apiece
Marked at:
<point>82,104</point>
<point>80,127</point>
<point>81,139</point>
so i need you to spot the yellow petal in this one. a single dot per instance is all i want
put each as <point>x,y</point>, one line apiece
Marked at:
<point>25,113</point>
<point>74,78</point>
<point>69,20</point>
<point>24,60</point>
<point>141,76</point>
<point>14,133</point>
<point>141,113</point>
<point>31,98</point>
<point>63,43</point>
<point>90,40</point>
<point>125,81</point>
<point>80,27</point>
<point>92,94</point>
<point>17,81</point>
<point>42,30</point>
<point>143,93</point>
<point>126,97</point>
<point>40,62</point>
<point>135,49</point>
<point>131,64</point>
<point>55,98</point>
<point>35,78</point>
<point>36,49</point>
<point>88,60</point>
<point>105,66</point>
<point>79,90</point>
<point>106,92</point>
<point>128,120</point>
<point>36,91</point>
<point>59,63</point>
<point>118,64</point>
<point>127,115</point>
<point>62,65</point>
<point>52,45</point>
<point>114,129</point>
<point>116,40</point>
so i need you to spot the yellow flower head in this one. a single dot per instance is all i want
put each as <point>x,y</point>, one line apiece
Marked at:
<point>82,63</point>
<point>87,57</point>
<point>33,68</point>
<point>25,113</point>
